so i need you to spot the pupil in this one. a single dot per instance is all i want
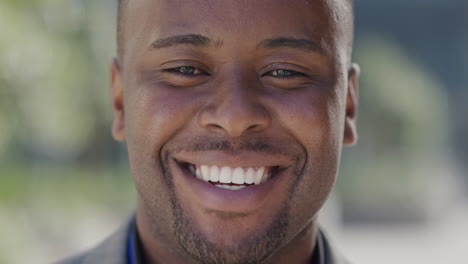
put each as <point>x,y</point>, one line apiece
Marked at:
<point>186,70</point>
<point>283,72</point>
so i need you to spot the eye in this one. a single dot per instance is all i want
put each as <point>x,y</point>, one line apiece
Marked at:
<point>186,70</point>
<point>282,73</point>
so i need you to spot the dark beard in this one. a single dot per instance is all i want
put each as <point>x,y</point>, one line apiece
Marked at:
<point>249,251</point>
<point>255,249</point>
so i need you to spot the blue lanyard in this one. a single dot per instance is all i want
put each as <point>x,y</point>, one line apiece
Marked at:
<point>131,247</point>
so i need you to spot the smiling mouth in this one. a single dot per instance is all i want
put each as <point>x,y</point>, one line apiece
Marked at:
<point>230,178</point>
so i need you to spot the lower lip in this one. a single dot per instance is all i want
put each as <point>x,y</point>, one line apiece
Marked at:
<point>210,197</point>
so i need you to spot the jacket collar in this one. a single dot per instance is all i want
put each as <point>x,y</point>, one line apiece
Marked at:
<point>113,250</point>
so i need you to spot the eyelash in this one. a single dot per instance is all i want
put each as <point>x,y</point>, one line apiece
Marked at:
<point>278,73</point>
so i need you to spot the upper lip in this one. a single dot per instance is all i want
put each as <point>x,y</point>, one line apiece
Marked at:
<point>243,159</point>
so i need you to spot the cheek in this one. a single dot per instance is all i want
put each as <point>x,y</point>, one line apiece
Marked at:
<point>315,120</point>
<point>154,116</point>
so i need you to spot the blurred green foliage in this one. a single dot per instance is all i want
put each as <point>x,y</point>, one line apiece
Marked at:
<point>48,212</point>
<point>23,184</point>
<point>53,57</point>
<point>55,144</point>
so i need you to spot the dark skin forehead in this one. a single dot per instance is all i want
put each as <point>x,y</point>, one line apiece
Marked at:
<point>343,17</point>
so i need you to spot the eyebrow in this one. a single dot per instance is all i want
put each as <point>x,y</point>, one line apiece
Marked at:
<point>205,42</point>
<point>190,39</point>
<point>284,42</point>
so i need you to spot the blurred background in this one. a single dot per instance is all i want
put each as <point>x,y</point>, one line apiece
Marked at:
<point>402,191</point>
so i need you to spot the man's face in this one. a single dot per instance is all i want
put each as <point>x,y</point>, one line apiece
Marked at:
<point>234,114</point>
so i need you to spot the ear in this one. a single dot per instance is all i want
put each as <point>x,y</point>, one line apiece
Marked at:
<point>350,133</point>
<point>116,87</point>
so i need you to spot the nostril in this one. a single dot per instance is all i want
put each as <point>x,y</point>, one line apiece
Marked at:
<point>254,127</point>
<point>234,130</point>
<point>234,117</point>
<point>215,127</point>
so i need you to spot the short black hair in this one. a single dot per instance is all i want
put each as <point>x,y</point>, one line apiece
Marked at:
<point>121,20</point>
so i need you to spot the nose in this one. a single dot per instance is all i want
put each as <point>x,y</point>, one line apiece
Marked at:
<point>235,110</point>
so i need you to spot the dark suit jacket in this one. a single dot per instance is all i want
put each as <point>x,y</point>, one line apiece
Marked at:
<point>113,250</point>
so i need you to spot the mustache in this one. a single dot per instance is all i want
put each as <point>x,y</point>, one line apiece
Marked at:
<point>255,144</point>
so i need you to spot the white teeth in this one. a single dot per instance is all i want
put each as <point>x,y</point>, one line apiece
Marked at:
<point>205,172</point>
<point>249,176</point>
<point>230,187</point>
<point>238,176</point>
<point>195,171</point>
<point>259,175</point>
<point>237,187</point>
<point>214,173</point>
<point>225,175</point>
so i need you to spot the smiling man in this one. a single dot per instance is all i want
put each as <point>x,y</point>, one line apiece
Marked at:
<point>234,114</point>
